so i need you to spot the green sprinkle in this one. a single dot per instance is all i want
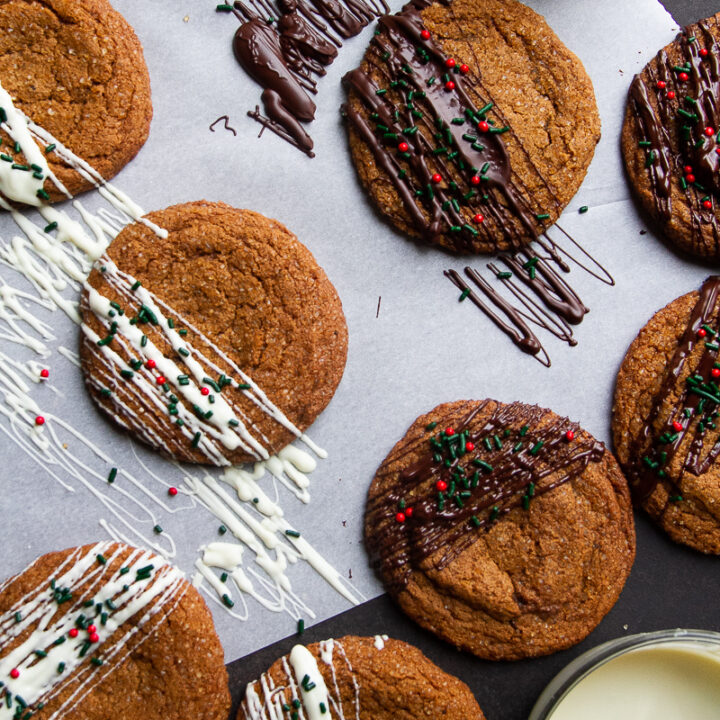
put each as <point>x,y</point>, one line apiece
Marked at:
<point>61,668</point>
<point>50,148</point>
<point>499,131</point>
<point>52,226</point>
<point>157,529</point>
<point>583,209</point>
<point>504,275</point>
<point>227,601</point>
<point>196,439</point>
<point>536,447</point>
<point>222,529</point>
<point>127,374</point>
<point>542,216</point>
<point>300,626</point>
<point>650,159</point>
<point>135,285</point>
<point>102,560</point>
<point>431,426</point>
<point>645,143</point>
<point>96,661</point>
<point>42,194</point>
<point>224,7</point>
<point>112,475</point>
<point>184,351</point>
<point>233,422</point>
<point>243,386</point>
<point>380,92</point>
<point>464,294</point>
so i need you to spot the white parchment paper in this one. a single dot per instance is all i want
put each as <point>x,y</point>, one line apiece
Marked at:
<point>421,349</point>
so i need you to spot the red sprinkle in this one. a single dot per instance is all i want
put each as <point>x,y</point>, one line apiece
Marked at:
<point>403,147</point>
<point>702,332</point>
<point>687,169</point>
<point>684,76</point>
<point>39,420</point>
<point>715,372</point>
<point>437,177</point>
<point>569,435</point>
<point>478,218</point>
<point>450,62</point>
<point>690,178</point>
<point>464,69</point>
<point>661,84</point>
<point>475,180</point>
<point>400,517</point>
<point>94,637</point>
<point>671,94</point>
<point>449,85</point>
<point>449,431</point>
<point>14,673</point>
<point>441,485</point>
<point>172,491</point>
<point>91,629</point>
<point>160,380</point>
<point>707,204</point>
<point>408,512</point>
<point>703,52</point>
<point>483,126</point>
<point>204,391</point>
<point>150,363</point>
<point>73,632</point>
<point>677,426</point>
<point>44,373</point>
<point>709,131</point>
<point>425,34</point>
<point>469,446</point>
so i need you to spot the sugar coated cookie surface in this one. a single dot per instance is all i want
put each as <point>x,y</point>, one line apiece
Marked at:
<point>358,677</point>
<point>219,343</point>
<point>76,69</point>
<point>502,528</point>
<point>107,630</point>
<point>471,125</point>
<point>665,418</point>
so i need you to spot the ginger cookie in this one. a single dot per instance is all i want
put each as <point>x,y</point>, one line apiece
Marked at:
<point>219,341</point>
<point>665,414</point>
<point>470,124</point>
<point>358,677</point>
<point>670,139</point>
<point>76,69</point>
<point>502,528</point>
<point>107,630</point>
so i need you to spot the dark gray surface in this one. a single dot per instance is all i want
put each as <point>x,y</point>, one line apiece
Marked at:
<point>669,587</point>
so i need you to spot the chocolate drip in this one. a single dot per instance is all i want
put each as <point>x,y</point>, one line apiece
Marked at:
<point>684,429</point>
<point>672,117</point>
<point>518,455</point>
<point>423,103</point>
<point>283,45</point>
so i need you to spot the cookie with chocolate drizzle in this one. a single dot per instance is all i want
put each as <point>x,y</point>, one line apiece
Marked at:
<point>671,139</point>
<point>471,125</point>
<point>502,528</point>
<point>665,418</point>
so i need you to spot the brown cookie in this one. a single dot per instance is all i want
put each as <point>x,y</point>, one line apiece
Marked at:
<point>219,343</point>
<point>670,139</point>
<point>504,529</point>
<point>495,130</point>
<point>76,68</point>
<point>108,630</point>
<point>358,677</point>
<point>665,415</point>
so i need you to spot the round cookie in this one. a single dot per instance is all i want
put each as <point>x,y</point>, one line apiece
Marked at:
<point>502,528</point>
<point>219,343</point>
<point>664,418</point>
<point>108,630</point>
<point>496,128</point>
<point>76,68</point>
<point>670,139</point>
<point>358,677</point>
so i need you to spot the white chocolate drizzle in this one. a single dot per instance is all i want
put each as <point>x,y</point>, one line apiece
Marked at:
<point>49,657</point>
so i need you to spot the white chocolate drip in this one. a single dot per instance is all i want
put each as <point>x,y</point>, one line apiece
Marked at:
<point>136,593</point>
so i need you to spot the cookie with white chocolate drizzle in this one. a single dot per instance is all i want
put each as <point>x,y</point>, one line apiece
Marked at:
<point>219,343</point>
<point>505,529</point>
<point>665,418</point>
<point>471,125</point>
<point>357,677</point>
<point>99,630</point>
<point>671,138</point>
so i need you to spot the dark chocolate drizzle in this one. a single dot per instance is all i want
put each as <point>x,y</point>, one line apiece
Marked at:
<point>675,128</point>
<point>226,120</point>
<point>536,292</point>
<point>282,45</point>
<point>661,453</point>
<point>412,104</point>
<point>529,456</point>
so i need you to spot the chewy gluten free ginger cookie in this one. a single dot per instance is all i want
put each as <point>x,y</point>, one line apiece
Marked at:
<point>502,528</point>
<point>470,124</point>
<point>665,418</point>
<point>76,69</point>
<point>107,630</point>
<point>358,677</point>
<point>219,342</point>
<point>670,139</point>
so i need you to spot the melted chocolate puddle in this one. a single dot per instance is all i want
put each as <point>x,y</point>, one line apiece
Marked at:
<point>284,45</point>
